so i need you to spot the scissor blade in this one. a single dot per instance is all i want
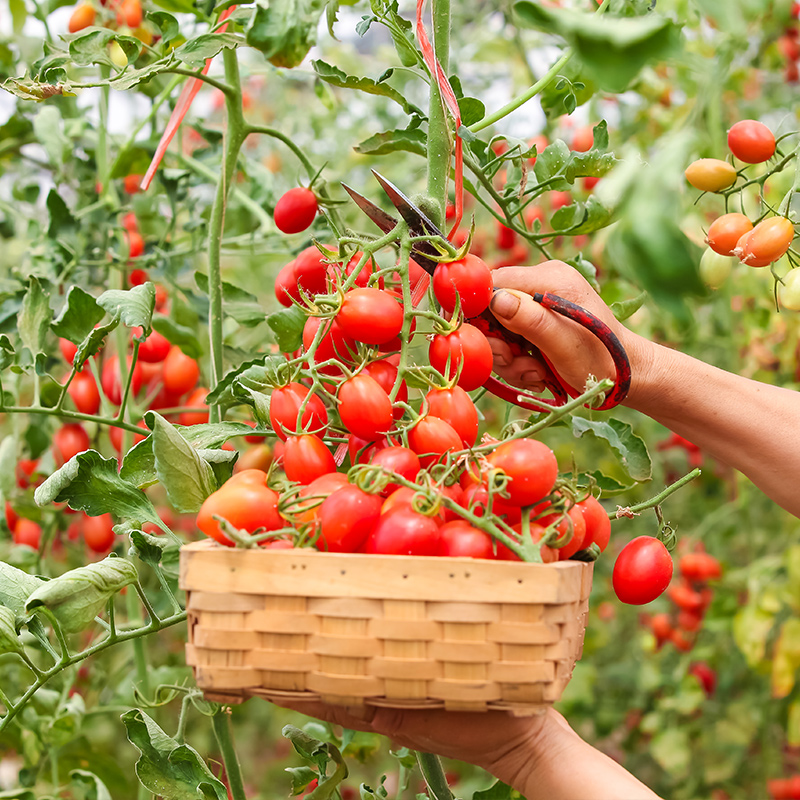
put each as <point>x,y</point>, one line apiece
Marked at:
<point>416,219</point>
<point>383,220</point>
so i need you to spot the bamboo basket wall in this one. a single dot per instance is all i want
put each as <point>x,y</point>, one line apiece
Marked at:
<point>412,632</point>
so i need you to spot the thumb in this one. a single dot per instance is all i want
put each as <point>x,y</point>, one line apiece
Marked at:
<point>521,314</point>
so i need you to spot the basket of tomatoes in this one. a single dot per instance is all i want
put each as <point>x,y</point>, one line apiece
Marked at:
<point>389,556</point>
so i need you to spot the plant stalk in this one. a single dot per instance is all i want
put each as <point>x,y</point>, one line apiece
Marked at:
<point>223,730</point>
<point>432,771</point>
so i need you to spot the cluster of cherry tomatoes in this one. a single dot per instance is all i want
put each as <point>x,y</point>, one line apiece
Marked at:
<point>691,597</point>
<point>734,234</point>
<point>126,13</point>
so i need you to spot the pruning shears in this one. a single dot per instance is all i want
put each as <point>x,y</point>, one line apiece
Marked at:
<point>426,255</point>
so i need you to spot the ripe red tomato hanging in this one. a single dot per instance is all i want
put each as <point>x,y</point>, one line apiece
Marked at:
<point>431,438</point>
<point>306,457</point>
<point>642,571</point>
<point>84,393</point>
<point>347,517</point>
<point>531,468</point>
<point>751,141</point>
<point>372,316</point>
<point>467,350</point>
<point>364,407</point>
<point>181,372</point>
<point>455,406</point>
<point>284,409</point>
<point>468,278</point>
<point>295,210</point>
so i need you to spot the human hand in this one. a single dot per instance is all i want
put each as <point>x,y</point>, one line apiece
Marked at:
<point>574,352</point>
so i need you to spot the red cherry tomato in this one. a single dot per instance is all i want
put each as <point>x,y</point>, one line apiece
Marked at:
<point>531,467</point>
<point>135,243</point>
<point>751,141</point>
<point>27,532</point>
<point>725,232</point>
<point>154,349</point>
<point>68,441</point>
<point>68,350</point>
<point>284,409</point>
<point>364,407</point>
<point>181,372</point>
<point>109,379</point>
<point>578,536</point>
<point>699,567</point>
<point>459,539</point>
<point>131,183</point>
<point>456,407</point>
<point>82,17</point>
<point>642,571</point>
<point>583,139</point>
<point>686,598</point>
<point>197,399</point>
<point>506,237</point>
<point>286,288</point>
<point>431,438</point>
<point>401,461</point>
<point>311,497</point>
<point>766,243</point>
<point>467,350</point>
<point>306,457</point>
<point>137,277</point>
<point>98,532</point>
<point>468,278</point>
<point>598,525</point>
<point>311,271</point>
<point>131,11</point>
<point>372,316</point>
<point>403,532</point>
<point>295,210</point>
<point>347,517</point>
<point>386,374</point>
<point>335,344</point>
<point>245,501</point>
<point>84,393</point>
<point>11,516</point>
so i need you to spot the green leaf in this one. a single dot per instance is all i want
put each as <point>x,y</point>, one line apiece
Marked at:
<point>608,486</point>
<point>16,587</point>
<point>34,318</point>
<point>178,6</point>
<point>571,89</point>
<point>139,464</point>
<point>630,450</point>
<point>786,658</point>
<point>613,49</point>
<point>166,768</point>
<point>187,478</point>
<point>672,751</point>
<point>184,337</point>
<point>580,218</point>
<point>472,110</point>
<point>627,308</point>
<point>78,596</point>
<point>19,13</point>
<point>6,352</point>
<point>166,23</point>
<point>411,140</point>
<point>48,126</point>
<point>9,641</point>
<point>94,341</point>
<point>285,30</point>
<point>90,46</point>
<point>93,788</point>
<point>78,316</point>
<point>586,269</point>
<point>148,548</point>
<point>89,482</point>
<point>336,77</point>
<point>497,791</point>
<point>134,307</point>
<point>239,303</point>
<point>288,327</point>
<point>301,777</point>
<point>197,51</point>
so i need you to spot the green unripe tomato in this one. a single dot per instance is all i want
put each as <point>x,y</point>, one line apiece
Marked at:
<point>714,268</point>
<point>789,291</point>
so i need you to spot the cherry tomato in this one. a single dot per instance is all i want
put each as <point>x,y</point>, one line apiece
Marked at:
<point>131,12</point>
<point>27,532</point>
<point>197,399</point>
<point>307,510</point>
<point>467,350</point>
<point>84,393</point>
<point>130,224</point>
<point>531,467</point>
<point>284,409</point>
<point>347,517</point>
<point>766,243</point>
<point>311,271</point>
<point>372,316</point>
<point>577,537</point>
<point>598,525</point>
<point>431,438</point>
<point>459,539</point>
<point>11,516</point>
<point>662,627</point>
<point>109,379</point>
<point>642,571</point>
<point>68,441</point>
<point>583,139</point>
<point>468,278</point>
<point>681,641</point>
<point>245,501</point>
<point>135,243</point>
<point>258,456</point>
<point>364,407</point>
<point>699,567</point>
<point>710,174</point>
<point>26,469</point>
<point>751,141</point>
<point>456,407</point>
<point>295,210</point>
<point>403,532</point>
<point>154,349</point>
<point>98,532</point>
<point>306,457</point>
<point>685,597</point>
<point>385,373</point>
<point>401,461</point>
<point>286,287</point>
<point>68,350</point>
<point>335,344</point>
<point>181,372</point>
<point>506,237</point>
<point>131,183</point>
<point>82,17</point>
<point>725,231</point>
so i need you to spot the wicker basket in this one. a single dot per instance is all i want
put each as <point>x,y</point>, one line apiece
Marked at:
<point>411,632</point>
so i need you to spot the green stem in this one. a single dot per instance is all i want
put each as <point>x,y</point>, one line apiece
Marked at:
<point>223,730</point>
<point>139,654</point>
<point>234,138</point>
<point>660,497</point>
<point>432,771</point>
<point>54,412</point>
<point>180,734</point>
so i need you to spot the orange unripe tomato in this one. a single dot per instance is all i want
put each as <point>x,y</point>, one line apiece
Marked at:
<point>751,141</point>
<point>82,17</point>
<point>131,11</point>
<point>725,232</point>
<point>766,243</point>
<point>710,174</point>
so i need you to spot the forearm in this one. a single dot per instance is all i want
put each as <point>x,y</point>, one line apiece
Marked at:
<point>559,765</point>
<point>752,426</point>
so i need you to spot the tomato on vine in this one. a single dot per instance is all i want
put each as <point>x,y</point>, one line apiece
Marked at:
<point>68,441</point>
<point>27,532</point>
<point>642,571</point>
<point>455,407</point>
<point>531,468</point>
<point>197,399</point>
<point>431,438</point>
<point>306,457</point>
<point>364,407</point>
<point>180,372</point>
<point>711,174</point>
<point>464,352</point>
<point>459,539</point>
<point>84,393</point>
<point>295,210</point>
<point>284,410</point>
<point>98,532</point>
<point>372,316</point>
<point>404,532</point>
<point>401,461</point>
<point>469,279</point>
<point>347,517</point>
<point>725,231</point>
<point>751,141</point>
<point>766,243</point>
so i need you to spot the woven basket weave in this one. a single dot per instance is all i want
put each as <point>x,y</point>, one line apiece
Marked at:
<point>412,632</point>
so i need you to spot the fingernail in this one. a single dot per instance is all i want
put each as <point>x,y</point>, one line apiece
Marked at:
<point>530,377</point>
<point>504,304</point>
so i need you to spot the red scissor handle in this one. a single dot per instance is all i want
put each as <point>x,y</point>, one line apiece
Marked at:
<point>558,387</point>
